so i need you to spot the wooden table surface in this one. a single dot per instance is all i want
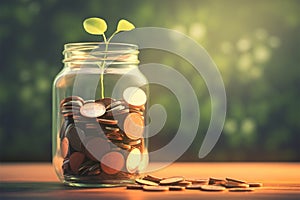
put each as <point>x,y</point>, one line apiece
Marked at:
<point>38,181</point>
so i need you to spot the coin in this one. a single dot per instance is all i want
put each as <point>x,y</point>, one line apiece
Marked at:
<point>171,180</point>
<point>96,147</point>
<point>64,146</point>
<point>71,98</point>
<point>216,181</point>
<point>76,159</point>
<point>145,182</point>
<point>235,180</point>
<point>75,136</point>
<point>152,178</point>
<point>134,126</point>
<point>193,187</point>
<point>114,136</point>
<point>176,188</point>
<point>155,188</point>
<point>212,188</point>
<point>112,162</point>
<point>241,190</point>
<point>255,184</point>
<point>183,183</point>
<point>92,109</point>
<point>197,181</point>
<point>133,160</point>
<point>134,187</point>
<point>230,184</point>
<point>107,121</point>
<point>134,96</point>
<point>106,101</point>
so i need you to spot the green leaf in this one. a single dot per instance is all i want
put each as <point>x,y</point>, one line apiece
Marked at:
<point>124,25</point>
<point>95,26</point>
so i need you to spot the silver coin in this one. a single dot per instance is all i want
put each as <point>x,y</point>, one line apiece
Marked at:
<point>92,109</point>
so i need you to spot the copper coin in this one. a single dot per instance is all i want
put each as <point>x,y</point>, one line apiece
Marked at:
<point>107,121</point>
<point>92,109</point>
<point>114,104</point>
<point>122,145</point>
<point>72,103</point>
<point>112,162</point>
<point>134,96</point>
<point>155,188</point>
<point>134,126</point>
<point>71,98</point>
<point>212,188</point>
<point>106,101</point>
<point>171,180</point>
<point>133,160</point>
<point>75,136</point>
<point>145,182</point>
<point>64,147</point>
<point>76,160</point>
<point>112,129</point>
<point>114,136</point>
<point>96,147</point>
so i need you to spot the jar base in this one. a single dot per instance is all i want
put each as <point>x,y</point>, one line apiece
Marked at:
<point>95,182</point>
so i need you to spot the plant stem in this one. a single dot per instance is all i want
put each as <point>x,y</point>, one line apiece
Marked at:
<point>102,67</point>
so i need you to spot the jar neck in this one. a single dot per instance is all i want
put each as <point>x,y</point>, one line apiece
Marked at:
<point>100,55</point>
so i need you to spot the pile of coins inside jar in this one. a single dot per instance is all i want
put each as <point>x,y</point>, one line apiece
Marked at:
<point>103,138</point>
<point>180,183</point>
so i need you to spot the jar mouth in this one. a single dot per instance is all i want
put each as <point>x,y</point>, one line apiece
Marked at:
<point>100,51</point>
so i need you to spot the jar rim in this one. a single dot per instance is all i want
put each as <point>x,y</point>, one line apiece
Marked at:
<point>70,46</point>
<point>99,51</point>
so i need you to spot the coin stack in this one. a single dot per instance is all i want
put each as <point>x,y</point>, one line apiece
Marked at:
<point>103,139</point>
<point>180,183</point>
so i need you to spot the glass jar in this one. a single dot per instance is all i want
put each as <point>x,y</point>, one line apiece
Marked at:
<point>99,106</point>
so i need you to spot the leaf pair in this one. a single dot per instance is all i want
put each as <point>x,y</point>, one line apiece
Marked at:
<point>98,26</point>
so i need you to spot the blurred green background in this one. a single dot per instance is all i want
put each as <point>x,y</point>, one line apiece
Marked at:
<point>255,44</point>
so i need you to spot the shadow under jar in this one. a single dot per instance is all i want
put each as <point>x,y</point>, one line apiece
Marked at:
<point>99,107</point>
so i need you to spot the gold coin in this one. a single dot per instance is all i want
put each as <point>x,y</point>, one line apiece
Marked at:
<point>112,162</point>
<point>171,180</point>
<point>92,109</point>
<point>134,126</point>
<point>134,96</point>
<point>155,188</point>
<point>212,188</point>
<point>133,160</point>
<point>145,182</point>
<point>194,187</point>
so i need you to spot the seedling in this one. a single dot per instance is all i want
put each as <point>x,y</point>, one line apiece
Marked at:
<point>98,26</point>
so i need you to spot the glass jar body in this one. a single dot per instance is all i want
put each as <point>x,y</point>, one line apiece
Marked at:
<point>99,108</point>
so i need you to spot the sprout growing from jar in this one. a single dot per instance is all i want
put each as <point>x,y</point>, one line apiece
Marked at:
<point>98,26</point>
